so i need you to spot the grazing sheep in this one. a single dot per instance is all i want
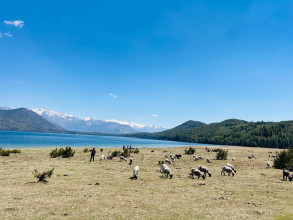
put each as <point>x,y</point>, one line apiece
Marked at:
<point>178,156</point>
<point>252,156</point>
<point>196,158</point>
<point>130,161</point>
<point>166,156</point>
<point>249,157</point>
<point>199,157</point>
<point>102,157</point>
<point>167,161</point>
<point>233,158</point>
<point>197,173</point>
<point>173,158</point>
<point>135,172</point>
<point>286,174</point>
<point>122,158</point>
<point>208,160</point>
<point>269,165</point>
<point>273,156</point>
<point>231,166</point>
<point>228,170</point>
<point>166,170</point>
<point>204,170</point>
<point>109,158</point>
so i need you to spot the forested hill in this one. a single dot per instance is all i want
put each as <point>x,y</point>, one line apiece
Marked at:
<point>25,120</point>
<point>230,132</point>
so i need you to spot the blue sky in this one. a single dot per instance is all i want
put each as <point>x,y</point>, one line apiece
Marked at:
<point>133,60</point>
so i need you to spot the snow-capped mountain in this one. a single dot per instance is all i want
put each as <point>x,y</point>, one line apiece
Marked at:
<point>83,124</point>
<point>6,108</point>
<point>139,127</point>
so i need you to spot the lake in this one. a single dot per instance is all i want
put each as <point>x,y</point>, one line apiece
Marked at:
<point>14,139</point>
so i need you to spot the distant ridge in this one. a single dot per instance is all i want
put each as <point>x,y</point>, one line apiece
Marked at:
<point>229,132</point>
<point>25,120</point>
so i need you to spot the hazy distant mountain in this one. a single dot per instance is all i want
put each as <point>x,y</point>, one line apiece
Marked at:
<point>83,124</point>
<point>5,108</point>
<point>140,127</point>
<point>25,120</point>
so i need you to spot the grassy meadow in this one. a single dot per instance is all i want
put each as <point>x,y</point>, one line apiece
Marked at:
<point>79,189</point>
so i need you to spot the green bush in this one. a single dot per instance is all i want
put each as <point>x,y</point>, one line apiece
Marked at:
<point>125,153</point>
<point>101,150</point>
<point>116,153</point>
<point>61,152</point>
<point>222,154</point>
<point>190,150</point>
<point>136,151</point>
<point>284,160</point>
<point>44,175</point>
<point>85,150</point>
<point>6,152</point>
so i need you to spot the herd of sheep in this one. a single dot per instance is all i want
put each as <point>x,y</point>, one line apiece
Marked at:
<point>200,172</point>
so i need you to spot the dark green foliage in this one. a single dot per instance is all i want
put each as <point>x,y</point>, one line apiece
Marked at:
<point>230,132</point>
<point>85,150</point>
<point>44,175</point>
<point>222,154</point>
<point>136,151</point>
<point>116,153</point>
<point>25,120</point>
<point>101,150</point>
<point>126,153</point>
<point>284,160</point>
<point>6,152</point>
<point>190,150</point>
<point>61,152</point>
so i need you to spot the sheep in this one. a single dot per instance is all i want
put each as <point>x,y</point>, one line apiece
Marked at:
<point>122,158</point>
<point>178,156</point>
<point>197,173</point>
<point>167,161</point>
<point>233,158</point>
<point>208,160</point>
<point>135,172</point>
<point>273,156</point>
<point>109,158</point>
<point>252,156</point>
<point>130,161</point>
<point>173,158</point>
<point>286,174</point>
<point>102,157</point>
<point>204,170</point>
<point>249,157</point>
<point>166,170</point>
<point>269,165</point>
<point>166,156</point>
<point>228,170</point>
<point>199,157</point>
<point>231,166</point>
<point>196,158</point>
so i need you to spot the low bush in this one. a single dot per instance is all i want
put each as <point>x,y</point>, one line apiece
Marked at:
<point>190,150</point>
<point>6,152</point>
<point>61,152</point>
<point>136,151</point>
<point>222,154</point>
<point>284,160</point>
<point>44,175</point>
<point>125,153</point>
<point>116,153</point>
<point>85,150</point>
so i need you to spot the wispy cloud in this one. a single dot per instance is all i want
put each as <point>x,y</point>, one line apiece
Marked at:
<point>113,95</point>
<point>8,34</point>
<point>15,23</point>
<point>155,115</point>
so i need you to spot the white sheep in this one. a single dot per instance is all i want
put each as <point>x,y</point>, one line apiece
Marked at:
<point>173,158</point>
<point>269,165</point>
<point>122,158</point>
<point>167,161</point>
<point>102,157</point>
<point>166,170</point>
<point>208,160</point>
<point>228,170</point>
<point>231,166</point>
<point>204,170</point>
<point>166,156</point>
<point>135,172</point>
<point>233,158</point>
<point>197,173</point>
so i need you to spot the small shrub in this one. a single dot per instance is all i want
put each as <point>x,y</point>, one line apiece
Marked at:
<point>284,160</point>
<point>101,150</point>
<point>136,151</point>
<point>61,152</point>
<point>189,151</point>
<point>222,154</point>
<point>44,175</point>
<point>116,153</point>
<point>152,151</point>
<point>6,152</point>
<point>85,150</point>
<point>125,153</point>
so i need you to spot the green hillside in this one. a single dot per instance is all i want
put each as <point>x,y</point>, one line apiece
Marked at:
<point>230,132</point>
<point>25,120</point>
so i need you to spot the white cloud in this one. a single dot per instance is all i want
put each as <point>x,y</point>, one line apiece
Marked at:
<point>16,23</point>
<point>8,34</point>
<point>155,115</point>
<point>113,95</point>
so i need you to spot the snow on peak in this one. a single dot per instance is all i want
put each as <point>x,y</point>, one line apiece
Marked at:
<point>138,126</point>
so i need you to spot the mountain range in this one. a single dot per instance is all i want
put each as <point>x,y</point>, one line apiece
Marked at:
<point>86,124</point>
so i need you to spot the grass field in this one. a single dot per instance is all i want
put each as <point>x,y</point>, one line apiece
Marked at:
<point>255,192</point>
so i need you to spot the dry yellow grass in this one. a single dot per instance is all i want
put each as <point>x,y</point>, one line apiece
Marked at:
<point>254,193</point>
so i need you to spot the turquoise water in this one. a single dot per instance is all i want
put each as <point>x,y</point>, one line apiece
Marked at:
<point>13,139</point>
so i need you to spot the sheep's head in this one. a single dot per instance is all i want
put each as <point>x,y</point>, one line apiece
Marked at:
<point>233,174</point>
<point>210,174</point>
<point>203,177</point>
<point>290,178</point>
<point>171,175</point>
